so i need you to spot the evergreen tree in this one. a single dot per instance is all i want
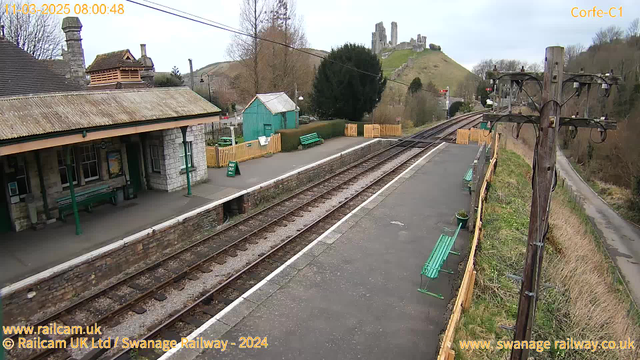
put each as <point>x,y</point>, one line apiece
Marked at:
<point>415,86</point>
<point>341,91</point>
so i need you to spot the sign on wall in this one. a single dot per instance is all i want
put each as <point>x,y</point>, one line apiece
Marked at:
<point>114,162</point>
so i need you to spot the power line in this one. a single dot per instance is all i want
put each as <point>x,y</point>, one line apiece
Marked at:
<point>220,26</point>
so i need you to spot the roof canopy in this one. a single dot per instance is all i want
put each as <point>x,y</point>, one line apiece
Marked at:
<point>276,102</point>
<point>25,116</point>
<point>114,60</point>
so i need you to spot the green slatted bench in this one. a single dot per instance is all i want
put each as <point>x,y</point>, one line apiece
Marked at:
<point>436,260</point>
<point>310,139</point>
<point>85,199</point>
<point>468,176</point>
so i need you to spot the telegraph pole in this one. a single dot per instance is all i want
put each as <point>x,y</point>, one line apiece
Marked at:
<point>543,182</point>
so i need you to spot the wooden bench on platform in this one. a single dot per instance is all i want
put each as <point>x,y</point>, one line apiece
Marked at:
<point>85,199</point>
<point>436,260</point>
<point>310,139</point>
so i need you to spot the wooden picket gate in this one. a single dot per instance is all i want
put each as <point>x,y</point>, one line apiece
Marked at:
<point>372,131</point>
<point>462,136</point>
<point>350,130</point>
<point>220,157</point>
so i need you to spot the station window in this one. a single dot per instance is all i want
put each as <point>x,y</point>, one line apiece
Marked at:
<point>62,169</point>
<point>89,162</point>
<point>189,155</point>
<point>156,157</point>
<point>19,177</point>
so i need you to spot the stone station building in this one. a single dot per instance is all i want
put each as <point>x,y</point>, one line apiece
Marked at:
<point>123,141</point>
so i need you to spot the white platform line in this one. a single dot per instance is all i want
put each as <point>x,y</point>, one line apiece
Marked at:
<point>173,221</point>
<point>257,286</point>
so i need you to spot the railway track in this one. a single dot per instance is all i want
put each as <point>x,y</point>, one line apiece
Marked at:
<point>128,295</point>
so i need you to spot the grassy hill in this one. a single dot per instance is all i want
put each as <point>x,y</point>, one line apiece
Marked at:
<point>429,65</point>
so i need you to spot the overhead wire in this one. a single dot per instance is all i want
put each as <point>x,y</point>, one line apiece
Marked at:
<point>204,21</point>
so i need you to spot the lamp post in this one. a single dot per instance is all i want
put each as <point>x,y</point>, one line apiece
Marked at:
<point>208,83</point>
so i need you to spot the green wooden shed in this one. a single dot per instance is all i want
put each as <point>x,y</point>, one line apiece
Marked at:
<point>268,113</point>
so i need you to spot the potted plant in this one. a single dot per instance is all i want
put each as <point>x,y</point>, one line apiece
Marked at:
<point>462,218</point>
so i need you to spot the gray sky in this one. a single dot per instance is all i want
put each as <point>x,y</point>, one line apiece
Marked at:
<point>467,30</point>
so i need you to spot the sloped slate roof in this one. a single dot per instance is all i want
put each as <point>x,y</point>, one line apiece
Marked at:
<point>276,102</point>
<point>21,73</point>
<point>24,116</point>
<point>113,60</point>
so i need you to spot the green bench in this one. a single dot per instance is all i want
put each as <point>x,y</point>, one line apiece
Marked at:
<point>310,139</point>
<point>436,260</point>
<point>85,199</point>
<point>468,176</point>
<point>225,141</point>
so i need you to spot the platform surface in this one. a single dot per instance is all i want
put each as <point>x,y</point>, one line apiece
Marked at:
<point>354,294</point>
<point>29,252</point>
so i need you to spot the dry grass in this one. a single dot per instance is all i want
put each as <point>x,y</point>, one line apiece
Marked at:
<point>587,301</point>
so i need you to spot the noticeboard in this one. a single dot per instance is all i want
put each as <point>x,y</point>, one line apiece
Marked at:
<point>233,169</point>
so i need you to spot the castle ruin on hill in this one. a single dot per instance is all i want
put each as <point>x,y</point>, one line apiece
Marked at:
<point>379,41</point>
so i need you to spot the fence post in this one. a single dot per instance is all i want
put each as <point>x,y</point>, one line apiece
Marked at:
<point>469,295</point>
<point>217,155</point>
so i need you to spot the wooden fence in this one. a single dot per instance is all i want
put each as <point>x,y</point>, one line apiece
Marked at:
<point>378,130</point>
<point>350,130</point>
<point>462,136</point>
<point>465,293</point>
<point>479,136</point>
<point>220,157</point>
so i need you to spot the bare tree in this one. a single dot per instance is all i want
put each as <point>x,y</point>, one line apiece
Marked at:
<point>482,67</point>
<point>634,28</point>
<point>571,52</point>
<point>287,66</point>
<point>466,89</point>
<point>246,49</point>
<point>608,35</point>
<point>38,34</point>
<point>535,67</point>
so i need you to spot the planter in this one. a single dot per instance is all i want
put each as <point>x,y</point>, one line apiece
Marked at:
<point>462,220</point>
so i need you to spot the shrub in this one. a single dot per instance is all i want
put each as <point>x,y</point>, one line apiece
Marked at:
<point>325,129</point>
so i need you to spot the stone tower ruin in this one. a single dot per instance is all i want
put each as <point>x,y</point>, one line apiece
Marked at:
<point>394,33</point>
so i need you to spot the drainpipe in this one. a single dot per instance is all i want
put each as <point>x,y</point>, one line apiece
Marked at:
<point>186,158</point>
<point>43,189</point>
<point>74,205</point>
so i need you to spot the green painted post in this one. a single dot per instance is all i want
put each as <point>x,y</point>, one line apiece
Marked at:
<point>186,158</point>
<point>74,205</point>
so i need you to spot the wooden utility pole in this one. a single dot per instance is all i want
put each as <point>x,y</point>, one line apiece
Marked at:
<point>543,179</point>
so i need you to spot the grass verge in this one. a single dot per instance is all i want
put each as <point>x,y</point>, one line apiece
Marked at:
<point>584,300</point>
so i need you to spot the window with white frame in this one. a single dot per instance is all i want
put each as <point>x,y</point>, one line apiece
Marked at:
<point>19,178</point>
<point>189,155</point>
<point>89,162</point>
<point>156,157</point>
<point>62,168</point>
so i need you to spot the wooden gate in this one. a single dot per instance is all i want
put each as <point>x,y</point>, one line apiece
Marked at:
<point>350,130</point>
<point>372,131</point>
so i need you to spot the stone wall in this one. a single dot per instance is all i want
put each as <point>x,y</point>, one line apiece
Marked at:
<point>79,281</point>
<point>173,147</point>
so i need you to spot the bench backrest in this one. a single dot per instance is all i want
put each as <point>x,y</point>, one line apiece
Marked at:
<point>311,136</point>
<point>88,192</point>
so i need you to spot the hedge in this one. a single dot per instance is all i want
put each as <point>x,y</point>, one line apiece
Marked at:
<point>325,129</point>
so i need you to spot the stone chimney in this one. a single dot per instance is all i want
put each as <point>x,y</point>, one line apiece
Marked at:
<point>74,55</point>
<point>149,70</point>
